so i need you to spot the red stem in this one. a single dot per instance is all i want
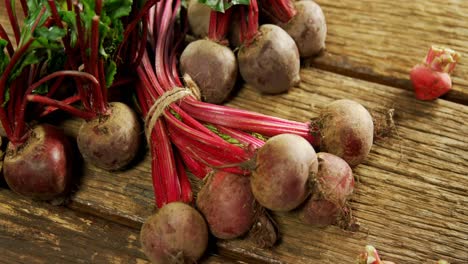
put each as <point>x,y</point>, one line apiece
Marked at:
<point>63,106</point>
<point>147,75</point>
<point>69,100</point>
<point>142,48</point>
<point>4,35</point>
<point>281,10</point>
<point>93,67</point>
<point>55,14</point>
<point>98,7</point>
<point>219,25</point>
<point>203,154</point>
<point>196,168</point>
<point>80,34</point>
<point>24,6</point>
<point>136,20</point>
<point>21,111</point>
<point>186,194</point>
<point>13,21</point>
<point>102,80</point>
<point>3,80</point>
<point>249,24</point>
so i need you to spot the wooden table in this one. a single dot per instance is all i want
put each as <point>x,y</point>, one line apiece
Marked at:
<point>412,195</point>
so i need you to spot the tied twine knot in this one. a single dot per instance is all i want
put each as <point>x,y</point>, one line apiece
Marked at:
<point>165,100</point>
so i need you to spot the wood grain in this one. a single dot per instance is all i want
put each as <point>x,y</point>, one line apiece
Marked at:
<point>382,40</point>
<point>411,198</point>
<point>37,232</point>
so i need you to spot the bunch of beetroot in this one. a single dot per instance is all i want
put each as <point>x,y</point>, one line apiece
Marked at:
<point>249,163</point>
<point>67,53</point>
<point>268,56</point>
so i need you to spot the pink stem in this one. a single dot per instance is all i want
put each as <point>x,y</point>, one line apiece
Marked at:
<point>51,102</point>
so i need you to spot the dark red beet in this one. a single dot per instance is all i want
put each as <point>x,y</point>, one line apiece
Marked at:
<point>177,233</point>
<point>111,142</point>
<point>333,186</point>
<point>271,62</point>
<point>41,167</point>
<point>228,205</point>
<point>347,131</point>
<point>283,167</point>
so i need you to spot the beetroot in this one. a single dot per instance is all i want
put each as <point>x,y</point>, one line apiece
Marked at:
<point>347,131</point>
<point>307,28</point>
<point>177,233</point>
<point>334,184</point>
<point>198,15</point>
<point>432,78</point>
<point>40,167</point>
<point>271,62</point>
<point>212,66</point>
<point>283,167</point>
<point>227,203</point>
<point>111,142</point>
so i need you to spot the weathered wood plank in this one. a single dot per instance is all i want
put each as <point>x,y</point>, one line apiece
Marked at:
<point>37,232</point>
<point>382,40</point>
<point>411,200</point>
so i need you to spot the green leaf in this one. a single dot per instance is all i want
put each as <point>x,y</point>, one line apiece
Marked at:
<point>42,89</point>
<point>223,5</point>
<point>29,59</point>
<point>7,97</point>
<point>111,70</point>
<point>116,9</point>
<point>4,60</point>
<point>70,20</point>
<point>227,138</point>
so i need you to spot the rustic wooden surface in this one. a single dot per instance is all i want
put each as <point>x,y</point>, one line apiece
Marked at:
<point>412,195</point>
<point>382,40</point>
<point>37,232</point>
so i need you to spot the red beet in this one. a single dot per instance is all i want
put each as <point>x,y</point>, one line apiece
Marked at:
<point>177,233</point>
<point>40,167</point>
<point>111,142</point>
<point>228,205</point>
<point>347,130</point>
<point>429,84</point>
<point>271,62</point>
<point>333,187</point>
<point>308,28</point>
<point>432,78</point>
<point>212,66</point>
<point>283,167</point>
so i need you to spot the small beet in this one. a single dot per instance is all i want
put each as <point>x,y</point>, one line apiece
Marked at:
<point>41,167</point>
<point>347,131</point>
<point>177,233</point>
<point>198,15</point>
<point>283,167</point>
<point>228,205</point>
<point>429,84</point>
<point>111,142</point>
<point>334,184</point>
<point>308,28</point>
<point>212,66</point>
<point>271,62</point>
<point>431,79</point>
